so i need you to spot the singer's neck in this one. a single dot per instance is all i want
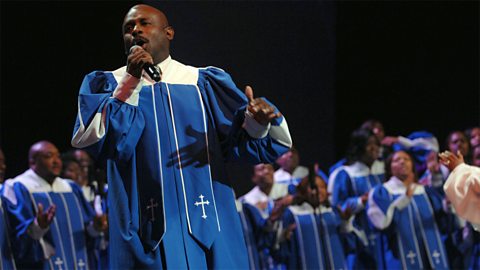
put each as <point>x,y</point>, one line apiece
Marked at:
<point>161,58</point>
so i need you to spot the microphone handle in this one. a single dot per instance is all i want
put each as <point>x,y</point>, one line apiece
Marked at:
<point>152,71</point>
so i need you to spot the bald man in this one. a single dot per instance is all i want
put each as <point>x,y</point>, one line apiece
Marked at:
<point>166,144</point>
<point>50,215</point>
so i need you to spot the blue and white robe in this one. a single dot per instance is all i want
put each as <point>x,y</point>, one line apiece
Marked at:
<point>264,235</point>
<point>347,184</point>
<point>286,183</point>
<point>166,143</point>
<point>316,241</point>
<point>6,256</point>
<point>63,245</point>
<point>255,197</point>
<point>409,224</point>
<point>258,236</point>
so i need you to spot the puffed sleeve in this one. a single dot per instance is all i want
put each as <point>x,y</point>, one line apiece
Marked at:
<point>382,206</point>
<point>240,136</point>
<point>109,122</point>
<point>463,190</point>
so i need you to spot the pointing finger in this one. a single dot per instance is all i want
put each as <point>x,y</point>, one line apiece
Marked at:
<point>249,93</point>
<point>40,208</point>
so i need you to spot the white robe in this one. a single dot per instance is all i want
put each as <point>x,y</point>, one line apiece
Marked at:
<point>463,190</point>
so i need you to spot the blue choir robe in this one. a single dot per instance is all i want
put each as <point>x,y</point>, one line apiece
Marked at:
<point>255,219</point>
<point>316,241</point>
<point>286,183</point>
<point>6,256</point>
<point>346,185</point>
<point>63,244</point>
<point>259,237</point>
<point>100,244</point>
<point>255,197</point>
<point>165,146</point>
<point>409,223</point>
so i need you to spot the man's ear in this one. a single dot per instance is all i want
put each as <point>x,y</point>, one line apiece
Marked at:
<point>170,32</point>
<point>31,162</point>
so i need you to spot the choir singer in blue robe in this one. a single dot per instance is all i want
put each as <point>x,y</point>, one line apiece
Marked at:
<point>165,138</point>
<point>406,213</point>
<point>50,216</point>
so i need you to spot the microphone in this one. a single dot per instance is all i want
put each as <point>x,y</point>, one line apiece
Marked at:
<point>150,69</point>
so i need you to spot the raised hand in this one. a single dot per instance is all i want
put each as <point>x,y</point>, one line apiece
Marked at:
<point>136,59</point>
<point>278,209</point>
<point>261,111</point>
<point>345,214</point>
<point>451,160</point>
<point>44,219</point>
<point>364,197</point>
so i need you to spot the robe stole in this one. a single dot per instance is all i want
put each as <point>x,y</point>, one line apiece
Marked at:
<point>67,231</point>
<point>418,220</point>
<point>178,136</point>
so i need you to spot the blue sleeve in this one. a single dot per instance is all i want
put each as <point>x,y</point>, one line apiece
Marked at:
<point>342,194</point>
<point>338,164</point>
<point>263,238</point>
<point>106,127</point>
<point>226,105</point>
<point>381,197</point>
<point>20,217</point>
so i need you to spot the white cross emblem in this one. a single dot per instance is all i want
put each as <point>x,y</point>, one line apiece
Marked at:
<point>81,264</point>
<point>202,203</point>
<point>411,255</point>
<point>59,262</point>
<point>151,206</point>
<point>436,255</point>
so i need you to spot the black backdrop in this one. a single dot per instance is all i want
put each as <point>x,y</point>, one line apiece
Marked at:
<point>328,66</point>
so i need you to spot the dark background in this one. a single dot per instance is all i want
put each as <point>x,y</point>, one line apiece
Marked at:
<point>328,66</point>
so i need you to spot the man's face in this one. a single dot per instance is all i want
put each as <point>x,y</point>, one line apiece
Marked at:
<point>289,161</point>
<point>457,142</point>
<point>3,167</point>
<point>475,137</point>
<point>476,156</point>
<point>322,190</point>
<point>47,162</point>
<point>84,161</point>
<point>372,150</point>
<point>263,175</point>
<point>72,171</point>
<point>147,27</point>
<point>402,165</point>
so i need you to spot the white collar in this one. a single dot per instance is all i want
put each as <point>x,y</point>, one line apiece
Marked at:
<point>255,196</point>
<point>164,64</point>
<point>35,183</point>
<point>396,186</point>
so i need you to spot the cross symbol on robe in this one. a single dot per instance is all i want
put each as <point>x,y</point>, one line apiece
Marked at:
<point>202,203</point>
<point>80,264</point>
<point>151,206</point>
<point>436,255</point>
<point>411,255</point>
<point>59,263</point>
